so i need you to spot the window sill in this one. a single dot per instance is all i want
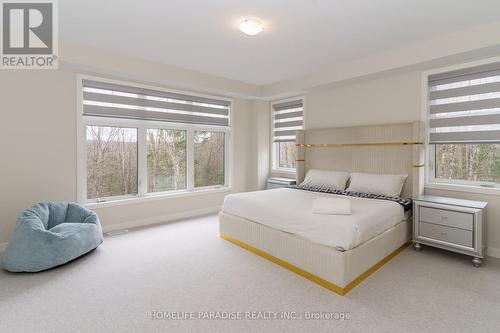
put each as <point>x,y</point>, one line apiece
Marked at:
<point>156,197</point>
<point>463,188</point>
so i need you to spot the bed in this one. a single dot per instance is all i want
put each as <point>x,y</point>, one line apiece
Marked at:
<point>336,252</point>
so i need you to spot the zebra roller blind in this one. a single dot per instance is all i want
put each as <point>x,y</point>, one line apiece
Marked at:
<point>288,117</point>
<point>101,99</point>
<point>465,105</point>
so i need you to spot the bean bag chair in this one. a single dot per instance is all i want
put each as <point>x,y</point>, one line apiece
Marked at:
<point>51,234</point>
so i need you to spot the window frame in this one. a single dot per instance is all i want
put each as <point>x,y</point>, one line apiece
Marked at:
<point>431,182</point>
<point>142,127</point>
<point>274,158</point>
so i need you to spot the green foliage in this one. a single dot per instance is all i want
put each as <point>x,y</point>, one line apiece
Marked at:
<point>166,159</point>
<point>112,160</point>
<point>470,162</point>
<point>208,158</point>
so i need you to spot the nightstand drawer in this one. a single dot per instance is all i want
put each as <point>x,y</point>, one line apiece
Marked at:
<point>446,218</point>
<point>451,224</point>
<point>446,234</point>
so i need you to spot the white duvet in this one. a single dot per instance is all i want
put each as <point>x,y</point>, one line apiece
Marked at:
<point>290,210</point>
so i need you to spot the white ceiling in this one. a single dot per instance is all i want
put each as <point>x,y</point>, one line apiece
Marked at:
<point>301,36</point>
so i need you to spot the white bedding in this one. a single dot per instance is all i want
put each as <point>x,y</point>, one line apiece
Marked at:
<point>290,210</point>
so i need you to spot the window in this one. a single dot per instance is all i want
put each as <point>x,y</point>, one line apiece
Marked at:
<point>288,117</point>
<point>468,162</point>
<point>140,142</point>
<point>464,126</point>
<point>287,154</point>
<point>166,160</point>
<point>111,161</point>
<point>208,158</point>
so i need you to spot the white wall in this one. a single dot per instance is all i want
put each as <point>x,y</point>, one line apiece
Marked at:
<point>390,99</point>
<point>88,59</point>
<point>38,145</point>
<point>37,141</point>
<point>261,118</point>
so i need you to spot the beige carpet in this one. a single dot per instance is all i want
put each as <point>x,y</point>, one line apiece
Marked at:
<point>185,266</point>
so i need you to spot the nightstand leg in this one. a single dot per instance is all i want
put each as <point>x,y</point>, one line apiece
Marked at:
<point>417,247</point>
<point>477,261</point>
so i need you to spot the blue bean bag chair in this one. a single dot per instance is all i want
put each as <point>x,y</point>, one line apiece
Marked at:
<point>51,234</point>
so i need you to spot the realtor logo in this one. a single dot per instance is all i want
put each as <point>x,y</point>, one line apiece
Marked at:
<point>29,34</point>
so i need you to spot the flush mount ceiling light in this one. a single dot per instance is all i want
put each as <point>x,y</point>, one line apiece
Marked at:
<point>251,26</point>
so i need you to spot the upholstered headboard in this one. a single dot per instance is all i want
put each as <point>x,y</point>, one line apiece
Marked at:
<point>382,149</point>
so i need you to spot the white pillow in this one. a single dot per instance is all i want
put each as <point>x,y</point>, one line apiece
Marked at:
<point>390,185</point>
<point>326,178</point>
<point>332,206</point>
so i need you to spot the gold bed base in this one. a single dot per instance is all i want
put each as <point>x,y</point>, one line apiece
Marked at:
<point>328,285</point>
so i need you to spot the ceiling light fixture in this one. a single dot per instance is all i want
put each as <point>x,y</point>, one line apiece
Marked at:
<point>251,26</point>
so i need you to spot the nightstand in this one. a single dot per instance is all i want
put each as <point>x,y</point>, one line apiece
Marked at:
<point>451,224</point>
<point>277,182</point>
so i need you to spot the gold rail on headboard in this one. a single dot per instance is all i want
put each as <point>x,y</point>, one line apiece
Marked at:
<point>332,145</point>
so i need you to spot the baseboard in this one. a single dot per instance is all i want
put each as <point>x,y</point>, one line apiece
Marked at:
<point>493,252</point>
<point>160,219</point>
<point>3,246</point>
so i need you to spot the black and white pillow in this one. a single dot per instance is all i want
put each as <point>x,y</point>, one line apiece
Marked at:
<point>406,203</point>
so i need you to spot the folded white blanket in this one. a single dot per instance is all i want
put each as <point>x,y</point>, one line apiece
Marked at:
<point>337,206</point>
